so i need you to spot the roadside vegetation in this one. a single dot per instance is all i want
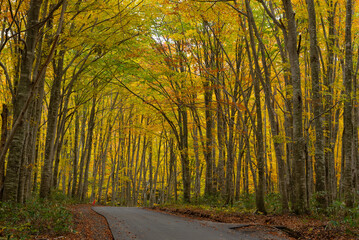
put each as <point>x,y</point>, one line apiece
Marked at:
<point>337,222</point>
<point>35,218</point>
<point>53,218</point>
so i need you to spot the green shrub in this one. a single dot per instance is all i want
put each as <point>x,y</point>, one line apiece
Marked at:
<point>273,203</point>
<point>36,217</point>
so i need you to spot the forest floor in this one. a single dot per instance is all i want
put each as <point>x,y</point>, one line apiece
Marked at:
<point>90,225</point>
<point>295,227</point>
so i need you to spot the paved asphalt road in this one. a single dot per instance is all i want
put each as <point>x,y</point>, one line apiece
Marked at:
<point>137,223</point>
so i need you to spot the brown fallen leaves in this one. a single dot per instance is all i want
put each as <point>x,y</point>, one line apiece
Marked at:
<point>87,225</point>
<point>90,225</point>
<point>294,227</point>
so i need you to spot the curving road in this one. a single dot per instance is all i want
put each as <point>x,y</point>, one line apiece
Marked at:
<point>138,223</point>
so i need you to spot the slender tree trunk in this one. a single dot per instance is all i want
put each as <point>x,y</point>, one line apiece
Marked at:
<point>154,189</point>
<point>171,182</point>
<point>91,126</point>
<point>197,185</point>
<point>183,148</point>
<point>76,153</point>
<point>256,75</point>
<point>4,123</point>
<point>239,170</point>
<point>52,118</point>
<point>221,143</point>
<point>328,126</point>
<point>208,190</point>
<point>348,107</point>
<point>285,168</point>
<point>270,108</point>
<point>317,107</point>
<point>103,161</point>
<point>83,153</point>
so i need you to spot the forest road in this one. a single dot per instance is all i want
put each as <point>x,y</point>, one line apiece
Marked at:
<point>138,223</point>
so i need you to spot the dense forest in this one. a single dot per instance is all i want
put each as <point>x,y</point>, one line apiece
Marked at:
<point>140,102</point>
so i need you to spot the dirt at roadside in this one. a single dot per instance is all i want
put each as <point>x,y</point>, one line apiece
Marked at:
<point>88,225</point>
<point>293,226</point>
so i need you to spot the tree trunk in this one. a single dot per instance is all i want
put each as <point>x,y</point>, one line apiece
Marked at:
<point>183,148</point>
<point>4,123</point>
<point>76,153</point>
<point>22,94</point>
<point>348,107</point>
<point>221,137</point>
<point>52,118</point>
<point>278,148</point>
<point>328,127</point>
<point>83,145</point>
<point>317,107</point>
<point>197,184</point>
<point>103,161</point>
<point>91,126</point>
<point>300,198</point>
<point>208,190</point>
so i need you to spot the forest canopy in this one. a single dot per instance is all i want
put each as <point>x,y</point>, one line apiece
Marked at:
<point>137,103</point>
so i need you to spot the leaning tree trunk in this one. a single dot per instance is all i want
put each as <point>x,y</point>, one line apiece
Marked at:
<point>91,126</point>
<point>52,118</point>
<point>278,147</point>
<point>256,75</point>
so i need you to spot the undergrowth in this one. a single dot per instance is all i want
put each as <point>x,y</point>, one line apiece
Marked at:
<point>336,213</point>
<point>35,217</point>
<point>244,204</point>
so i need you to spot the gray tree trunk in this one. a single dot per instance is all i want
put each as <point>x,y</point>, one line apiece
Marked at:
<point>91,126</point>
<point>277,142</point>
<point>300,196</point>
<point>348,107</point>
<point>22,93</point>
<point>317,107</point>
<point>330,137</point>
<point>76,153</point>
<point>197,184</point>
<point>52,118</point>
<point>221,136</point>
<point>83,153</point>
<point>256,75</point>
<point>4,124</point>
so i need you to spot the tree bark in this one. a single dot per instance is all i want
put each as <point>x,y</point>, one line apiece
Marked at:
<point>4,123</point>
<point>300,196</point>
<point>330,137</point>
<point>91,126</point>
<point>317,107</point>
<point>256,75</point>
<point>348,107</point>
<point>22,93</point>
<point>76,153</point>
<point>52,118</point>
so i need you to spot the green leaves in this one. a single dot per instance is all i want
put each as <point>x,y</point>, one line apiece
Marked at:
<point>34,218</point>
